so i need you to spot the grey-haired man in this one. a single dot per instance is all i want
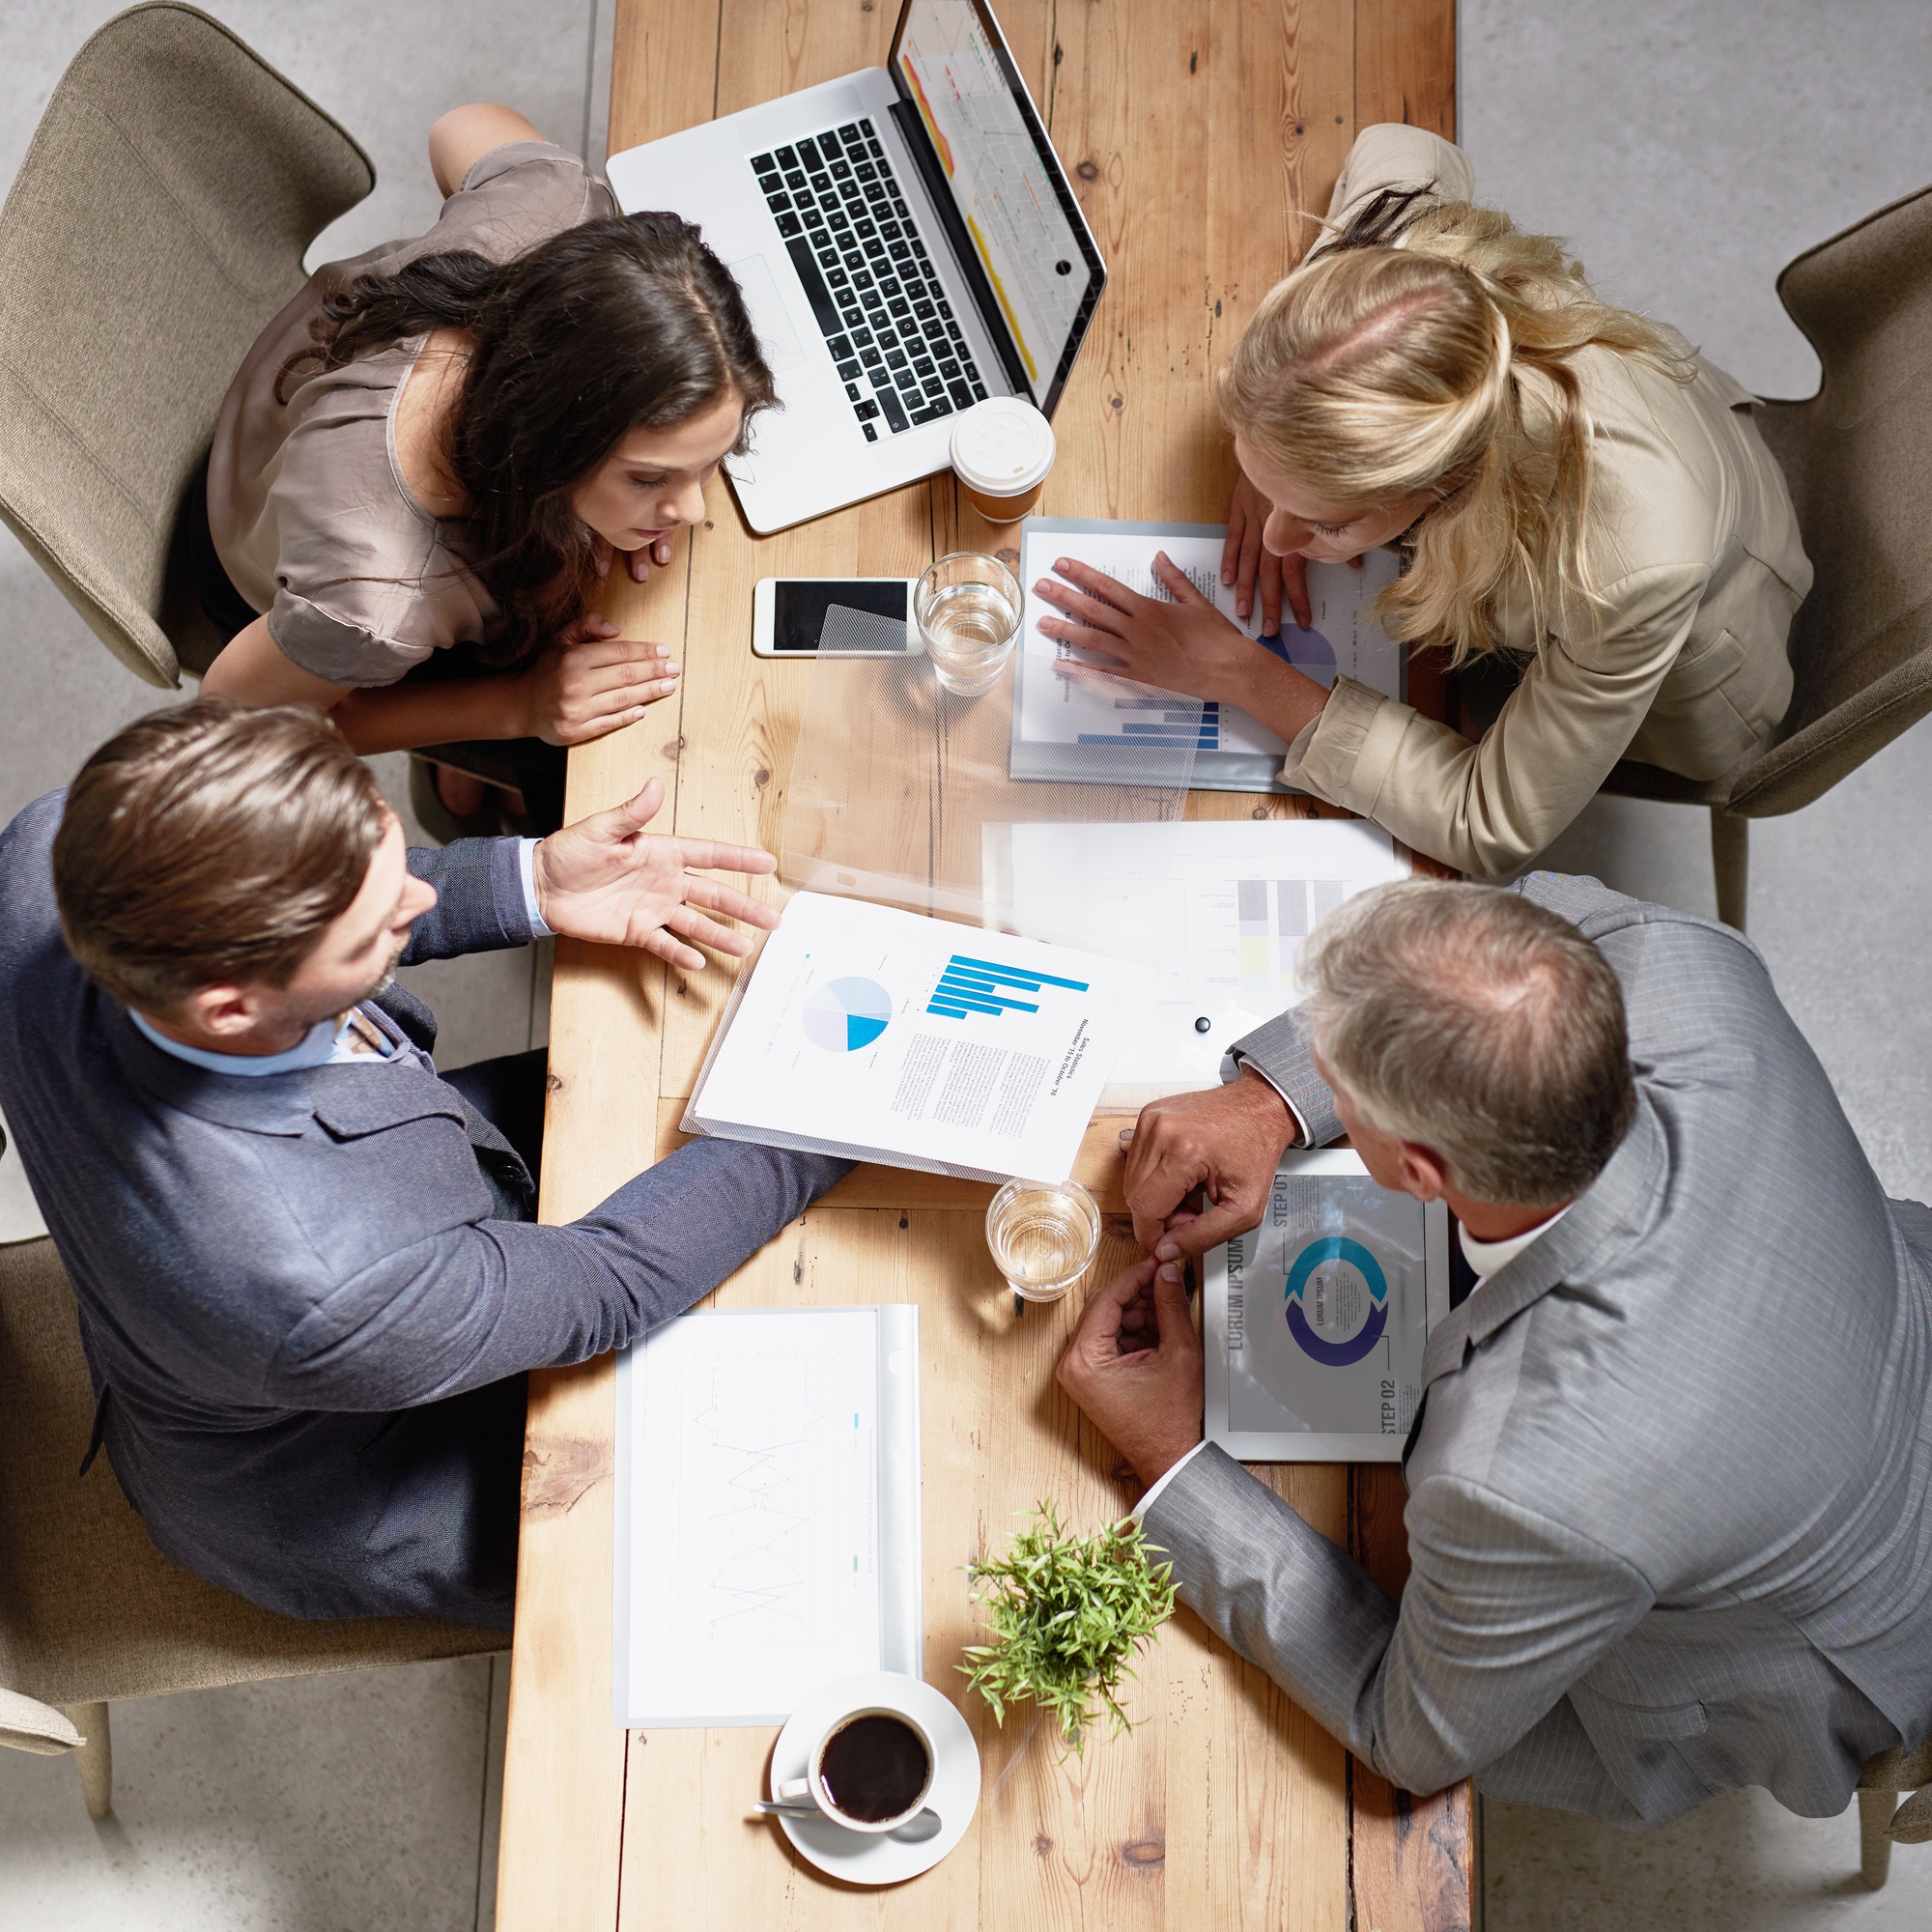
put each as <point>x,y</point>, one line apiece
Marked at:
<point>1671,1495</point>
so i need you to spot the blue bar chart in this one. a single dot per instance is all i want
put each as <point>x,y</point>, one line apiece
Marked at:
<point>984,987</point>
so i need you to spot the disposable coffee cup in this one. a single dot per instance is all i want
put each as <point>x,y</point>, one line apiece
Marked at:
<point>870,1769</point>
<point>1001,452</point>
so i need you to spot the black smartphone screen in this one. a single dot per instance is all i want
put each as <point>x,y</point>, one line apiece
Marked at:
<point>842,616</point>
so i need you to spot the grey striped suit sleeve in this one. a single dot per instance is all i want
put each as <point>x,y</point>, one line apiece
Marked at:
<point>1281,1051</point>
<point>1503,1611</point>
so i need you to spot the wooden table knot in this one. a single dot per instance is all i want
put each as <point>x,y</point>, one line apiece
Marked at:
<point>557,1475</point>
<point>1142,1852</point>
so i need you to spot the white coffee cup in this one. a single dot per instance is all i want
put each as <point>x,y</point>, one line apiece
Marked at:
<point>847,1781</point>
<point>1001,452</point>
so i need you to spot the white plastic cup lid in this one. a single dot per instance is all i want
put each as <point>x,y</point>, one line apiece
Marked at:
<point>1003,446</point>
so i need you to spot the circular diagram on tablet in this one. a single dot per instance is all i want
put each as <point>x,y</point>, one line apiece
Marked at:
<point>1337,1300</point>
<point>845,1015</point>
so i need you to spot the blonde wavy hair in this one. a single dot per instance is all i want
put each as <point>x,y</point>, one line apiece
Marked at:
<point>1392,361</point>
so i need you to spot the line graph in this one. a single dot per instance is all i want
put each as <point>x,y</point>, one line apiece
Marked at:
<point>758,1418</point>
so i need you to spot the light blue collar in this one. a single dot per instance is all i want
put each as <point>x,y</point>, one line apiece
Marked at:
<point>313,1049</point>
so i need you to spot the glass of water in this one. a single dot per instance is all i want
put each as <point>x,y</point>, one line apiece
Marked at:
<point>968,611</point>
<point>1043,1239</point>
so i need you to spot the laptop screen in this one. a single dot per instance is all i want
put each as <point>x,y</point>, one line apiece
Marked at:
<point>1006,185</point>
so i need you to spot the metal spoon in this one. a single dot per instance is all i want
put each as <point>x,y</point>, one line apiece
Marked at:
<point>916,1830</point>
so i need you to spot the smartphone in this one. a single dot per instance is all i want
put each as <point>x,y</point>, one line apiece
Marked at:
<point>832,617</point>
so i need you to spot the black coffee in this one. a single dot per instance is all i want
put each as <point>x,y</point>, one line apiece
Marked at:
<point>873,1768</point>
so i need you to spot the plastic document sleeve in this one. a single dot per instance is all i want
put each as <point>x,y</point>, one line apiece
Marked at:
<point>767,1496</point>
<point>1314,1325</point>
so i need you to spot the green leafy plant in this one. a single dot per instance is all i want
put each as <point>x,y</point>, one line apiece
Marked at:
<point>1066,1615</point>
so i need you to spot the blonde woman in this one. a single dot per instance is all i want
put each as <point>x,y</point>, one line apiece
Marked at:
<point>1580,500</point>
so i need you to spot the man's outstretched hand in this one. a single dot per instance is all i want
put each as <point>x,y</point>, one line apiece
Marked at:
<point>1223,1145</point>
<point>1134,1367</point>
<point>606,878</point>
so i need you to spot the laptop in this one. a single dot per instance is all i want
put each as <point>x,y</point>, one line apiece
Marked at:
<point>907,244</point>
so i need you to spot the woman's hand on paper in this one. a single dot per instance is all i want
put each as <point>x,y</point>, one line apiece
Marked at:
<point>606,878</point>
<point>592,682</point>
<point>1222,1146</point>
<point>1134,1367</point>
<point>1250,566</point>
<point>1186,645</point>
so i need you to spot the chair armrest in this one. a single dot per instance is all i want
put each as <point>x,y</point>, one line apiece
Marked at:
<point>28,1725</point>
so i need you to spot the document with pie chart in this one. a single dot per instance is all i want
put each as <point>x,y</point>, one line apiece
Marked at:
<point>1314,1324</point>
<point>887,1036</point>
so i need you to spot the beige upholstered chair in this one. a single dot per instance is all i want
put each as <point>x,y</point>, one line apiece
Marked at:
<point>90,1611</point>
<point>1859,459</point>
<point>1883,1820</point>
<point>155,226</point>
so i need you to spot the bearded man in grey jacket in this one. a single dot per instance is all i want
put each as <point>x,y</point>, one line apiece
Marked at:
<point>1670,1489</point>
<point>309,1273</point>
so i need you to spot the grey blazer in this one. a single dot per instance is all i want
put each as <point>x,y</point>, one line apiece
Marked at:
<point>1670,1501</point>
<point>308,1298</point>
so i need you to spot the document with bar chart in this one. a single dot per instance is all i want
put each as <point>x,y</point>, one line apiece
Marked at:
<point>1220,911</point>
<point>1065,730</point>
<point>884,1036</point>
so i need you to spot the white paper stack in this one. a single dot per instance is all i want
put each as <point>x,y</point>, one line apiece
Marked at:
<point>886,1036</point>
<point>767,1511</point>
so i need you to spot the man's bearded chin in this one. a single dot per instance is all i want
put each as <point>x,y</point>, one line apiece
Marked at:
<point>387,979</point>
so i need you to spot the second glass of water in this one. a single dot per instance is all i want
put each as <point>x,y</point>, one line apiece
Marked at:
<point>968,611</point>
<point>1043,1239</point>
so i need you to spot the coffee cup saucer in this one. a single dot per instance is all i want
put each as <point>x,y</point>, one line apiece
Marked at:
<point>877,1858</point>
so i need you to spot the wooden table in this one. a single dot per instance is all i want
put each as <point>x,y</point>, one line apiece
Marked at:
<point>1193,131</point>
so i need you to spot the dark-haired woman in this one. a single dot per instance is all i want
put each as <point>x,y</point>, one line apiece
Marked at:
<point>436,449</point>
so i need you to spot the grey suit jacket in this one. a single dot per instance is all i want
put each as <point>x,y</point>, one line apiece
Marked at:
<point>1671,1502</point>
<point>308,1298</point>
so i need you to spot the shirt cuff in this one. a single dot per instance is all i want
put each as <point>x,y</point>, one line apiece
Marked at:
<point>1231,1064</point>
<point>1147,1502</point>
<point>526,856</point>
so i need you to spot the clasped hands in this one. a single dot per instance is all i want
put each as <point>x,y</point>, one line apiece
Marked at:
<point>1199,1170</point>
<point>606,878</point>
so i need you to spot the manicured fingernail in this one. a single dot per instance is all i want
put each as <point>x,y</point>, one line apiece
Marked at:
<point>1241,608</point>
<point>674,667</point>
<point>1169,1272</point>
<point>1042,587</point>
<point>1227,577</point>
<point>1167,1252</point>
<point>1061,564</point>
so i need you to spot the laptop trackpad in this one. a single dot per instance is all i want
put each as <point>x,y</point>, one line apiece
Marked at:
<point>768,314</point>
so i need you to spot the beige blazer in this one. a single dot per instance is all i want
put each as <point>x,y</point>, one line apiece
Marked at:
<point>1691,541</point>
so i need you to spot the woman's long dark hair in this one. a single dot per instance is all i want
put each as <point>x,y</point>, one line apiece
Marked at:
<point>614,326</point>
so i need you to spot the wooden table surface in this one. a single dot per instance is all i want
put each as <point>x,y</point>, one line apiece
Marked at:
<point>1193,131</point>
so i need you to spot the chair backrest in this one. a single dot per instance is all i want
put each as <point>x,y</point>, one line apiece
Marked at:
<point>1859,459</point>
<point>155,226</point>
<point>90,1611</point>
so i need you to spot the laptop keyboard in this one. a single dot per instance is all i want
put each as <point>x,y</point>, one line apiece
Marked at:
<point>886,320</point>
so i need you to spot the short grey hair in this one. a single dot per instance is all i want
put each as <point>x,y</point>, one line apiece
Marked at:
<point>1473,1022</point>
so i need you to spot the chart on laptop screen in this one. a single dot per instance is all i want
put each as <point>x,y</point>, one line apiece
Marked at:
<point>1025,243</point>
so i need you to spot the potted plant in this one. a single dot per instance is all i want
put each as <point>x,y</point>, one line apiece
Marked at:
<point>1066,1615</point>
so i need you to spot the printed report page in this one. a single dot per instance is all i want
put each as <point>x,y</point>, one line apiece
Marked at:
<point>917,1041</point>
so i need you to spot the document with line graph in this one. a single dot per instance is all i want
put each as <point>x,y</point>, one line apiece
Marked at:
<point>1065,730</point>
<point>885,1036</point>
<point>767,1511</point>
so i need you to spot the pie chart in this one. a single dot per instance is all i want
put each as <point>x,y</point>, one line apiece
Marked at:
<point>845,1015</point>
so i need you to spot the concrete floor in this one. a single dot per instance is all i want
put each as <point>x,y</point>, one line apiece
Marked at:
<point>1688,150</point>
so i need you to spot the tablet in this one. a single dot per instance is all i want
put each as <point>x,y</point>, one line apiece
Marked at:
<point>1314,1325</point>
